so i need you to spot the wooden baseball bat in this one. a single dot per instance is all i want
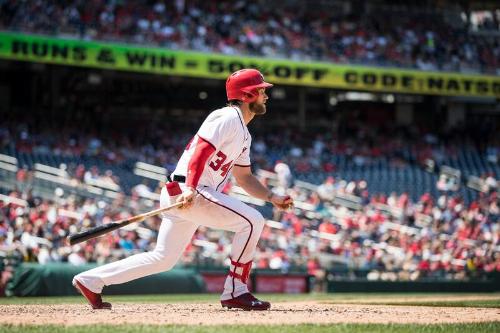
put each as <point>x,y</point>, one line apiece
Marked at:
<point>105,228</point>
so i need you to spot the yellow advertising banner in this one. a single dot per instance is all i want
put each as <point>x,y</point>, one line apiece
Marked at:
<point>70,52</point>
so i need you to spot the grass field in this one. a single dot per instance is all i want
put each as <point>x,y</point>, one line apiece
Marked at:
<point>308,328</point>
<point>147,303</point>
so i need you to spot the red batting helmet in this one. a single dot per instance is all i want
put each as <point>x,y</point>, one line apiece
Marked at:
<point>243,84</point>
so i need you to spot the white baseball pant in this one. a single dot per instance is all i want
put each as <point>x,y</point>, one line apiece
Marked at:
<point>210,208</point>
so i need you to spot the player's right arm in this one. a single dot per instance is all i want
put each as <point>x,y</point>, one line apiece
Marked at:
<point>203,151</point>
<point>214,131</point>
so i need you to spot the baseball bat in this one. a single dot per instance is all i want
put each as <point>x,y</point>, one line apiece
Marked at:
<point>108,227</point>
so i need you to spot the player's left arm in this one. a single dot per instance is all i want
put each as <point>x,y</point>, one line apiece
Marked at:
<point>250,183</point>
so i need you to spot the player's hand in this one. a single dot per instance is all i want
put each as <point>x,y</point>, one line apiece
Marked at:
<point>282,202</point>
<point>187,197</point>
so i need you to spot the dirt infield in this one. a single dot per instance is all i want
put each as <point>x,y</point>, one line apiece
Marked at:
<point>213,314</point>
<point>402,299</point>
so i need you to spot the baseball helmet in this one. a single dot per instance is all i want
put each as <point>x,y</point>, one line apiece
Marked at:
<point>243,84</point>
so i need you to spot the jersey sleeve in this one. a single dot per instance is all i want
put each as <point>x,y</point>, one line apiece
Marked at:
<point>244,159</point>
<point>216,130</point>
<point>202,152</point>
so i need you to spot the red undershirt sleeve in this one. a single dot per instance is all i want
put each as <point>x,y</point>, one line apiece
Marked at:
<point>203,151</point>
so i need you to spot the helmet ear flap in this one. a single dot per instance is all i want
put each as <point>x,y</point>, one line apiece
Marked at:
<point>249,97</point>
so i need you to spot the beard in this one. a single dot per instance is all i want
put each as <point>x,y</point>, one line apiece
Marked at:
<point>257,108</point>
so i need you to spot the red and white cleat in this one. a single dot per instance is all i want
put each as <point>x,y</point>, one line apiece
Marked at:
<point>246,302</point>
<point>94,299</point>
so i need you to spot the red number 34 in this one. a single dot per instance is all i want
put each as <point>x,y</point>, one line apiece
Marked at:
<point>216,164</point>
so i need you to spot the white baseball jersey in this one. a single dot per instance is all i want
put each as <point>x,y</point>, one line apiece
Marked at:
<point>227,133</point>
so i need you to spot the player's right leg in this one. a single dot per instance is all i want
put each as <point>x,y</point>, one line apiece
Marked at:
<point>221,211</point>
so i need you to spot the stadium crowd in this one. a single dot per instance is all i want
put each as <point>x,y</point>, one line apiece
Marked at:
<point>386,236</point>
<point>414,38</point>
<point>353,144</point>
<point>390,237</point>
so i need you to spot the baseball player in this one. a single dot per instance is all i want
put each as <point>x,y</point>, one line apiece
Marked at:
<point>221,147</point>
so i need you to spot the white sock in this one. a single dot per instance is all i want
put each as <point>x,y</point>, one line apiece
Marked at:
<point>240,288</point>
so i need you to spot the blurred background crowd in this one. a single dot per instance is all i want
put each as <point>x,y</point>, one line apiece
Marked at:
<point>420,37</point>
<point>429,231</point>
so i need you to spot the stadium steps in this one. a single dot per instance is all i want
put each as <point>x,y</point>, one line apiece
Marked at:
<point>380,175</point>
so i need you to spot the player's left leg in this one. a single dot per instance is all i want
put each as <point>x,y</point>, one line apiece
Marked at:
<point>174,235</point>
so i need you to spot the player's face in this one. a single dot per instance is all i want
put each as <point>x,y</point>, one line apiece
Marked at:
<point>259,106</point>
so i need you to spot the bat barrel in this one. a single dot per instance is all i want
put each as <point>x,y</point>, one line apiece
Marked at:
<point>103,229</point>
<point>92,233</point>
